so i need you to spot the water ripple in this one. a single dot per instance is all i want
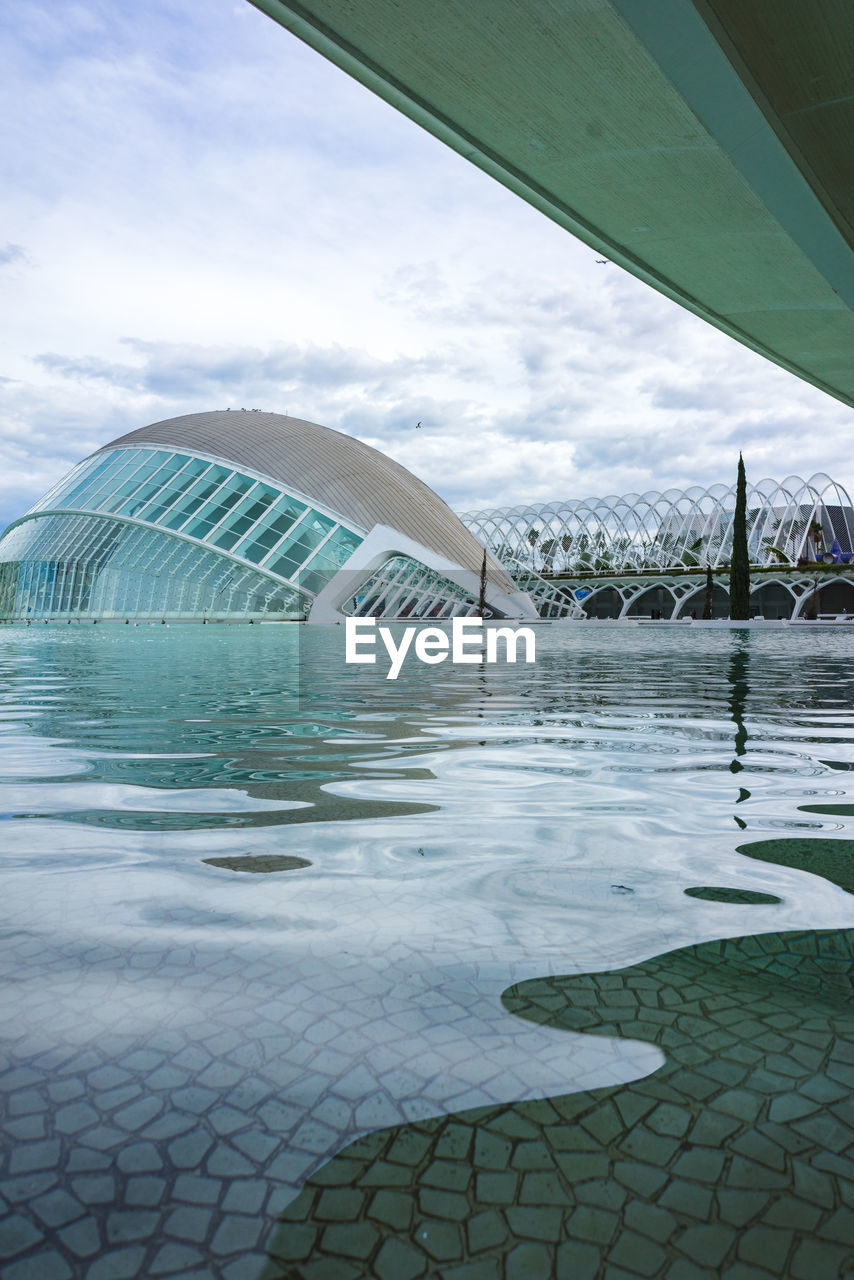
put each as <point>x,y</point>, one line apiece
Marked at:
<point>437,839</point>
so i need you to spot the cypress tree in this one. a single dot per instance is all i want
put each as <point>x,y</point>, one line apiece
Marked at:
<point>739,571</point>
<point>481,604</point>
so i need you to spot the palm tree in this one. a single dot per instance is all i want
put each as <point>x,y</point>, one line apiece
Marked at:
<point>772,549</point>
<point>547,551</point>
<point>582,558</point>
<point>533,538</point>
<point>690,554</point>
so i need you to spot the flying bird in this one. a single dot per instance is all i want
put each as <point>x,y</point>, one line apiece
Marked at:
<point>603,262</point>
<point>417,425</point>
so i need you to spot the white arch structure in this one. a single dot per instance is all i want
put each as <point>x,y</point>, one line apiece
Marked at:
<point>788,522</point>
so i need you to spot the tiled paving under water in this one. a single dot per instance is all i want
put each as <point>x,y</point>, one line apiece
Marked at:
<point>479,976</point>
<point>735,1159</point>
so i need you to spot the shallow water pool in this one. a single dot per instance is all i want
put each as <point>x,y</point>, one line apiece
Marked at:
<point>311,973</point>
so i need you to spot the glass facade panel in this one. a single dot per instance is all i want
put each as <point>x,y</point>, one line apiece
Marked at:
<point>270,529</point>
<point>248,518</point>
<point>327,560</point>
<point>201,499</point>
<point>68,482</point>
<point>161,502</point>
<point>235,487</point>
<point>296,549</point>
<point>210,515</point>
<point>123,471</point>
<point>314,580</point>
<point>89,483</point>
<point>195,496</point>
<point>255,505</point>
<point>91,566</point>
<point>230,532</point>
<point>285,506</point>
<point>130,506</point>
<point>203,529</point>
<point>168,496</point>
<point>108,482</point>
<point>259,545</point>
<point>171,464</point>
<point>405,588</point>
<point>336,550</point>
<point>111,497</point>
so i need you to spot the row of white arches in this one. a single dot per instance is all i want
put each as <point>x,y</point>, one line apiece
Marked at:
<point>788,522</point>
<point>794,596</point>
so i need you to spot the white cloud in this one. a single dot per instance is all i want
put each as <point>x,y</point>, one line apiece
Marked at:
<point>203,212</point>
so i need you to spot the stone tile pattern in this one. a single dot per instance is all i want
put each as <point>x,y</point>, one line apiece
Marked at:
<point>146,1164</point>
<point>173,1072</point>
<point>163,1100</point>
<point>735,1159</point>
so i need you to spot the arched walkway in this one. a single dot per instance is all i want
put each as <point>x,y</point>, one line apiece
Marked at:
<point>655,602</point>
<point>605,603</point>
<point>696,601</point>
<point>836,596</point>
<point>772,600</point>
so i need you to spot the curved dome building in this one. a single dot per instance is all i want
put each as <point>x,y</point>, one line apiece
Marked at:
<point>240,514</point>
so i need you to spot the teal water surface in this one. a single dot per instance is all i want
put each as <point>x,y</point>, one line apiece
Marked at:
<point>267,916</point>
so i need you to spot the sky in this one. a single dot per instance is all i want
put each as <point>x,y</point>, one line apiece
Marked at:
<point>199,212</point>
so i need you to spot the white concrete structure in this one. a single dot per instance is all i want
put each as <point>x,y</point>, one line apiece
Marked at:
<point>787,521</point>
<point>632,555</point>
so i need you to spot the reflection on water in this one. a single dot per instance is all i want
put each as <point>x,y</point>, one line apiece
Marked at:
<point>713,893</point>
<point>263,864</point>
<point>739,689</point>
<point>832,859</point>
<point>187,1044</point>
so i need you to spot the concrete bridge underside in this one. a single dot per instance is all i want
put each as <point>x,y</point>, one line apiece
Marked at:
<point>703,145</point>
